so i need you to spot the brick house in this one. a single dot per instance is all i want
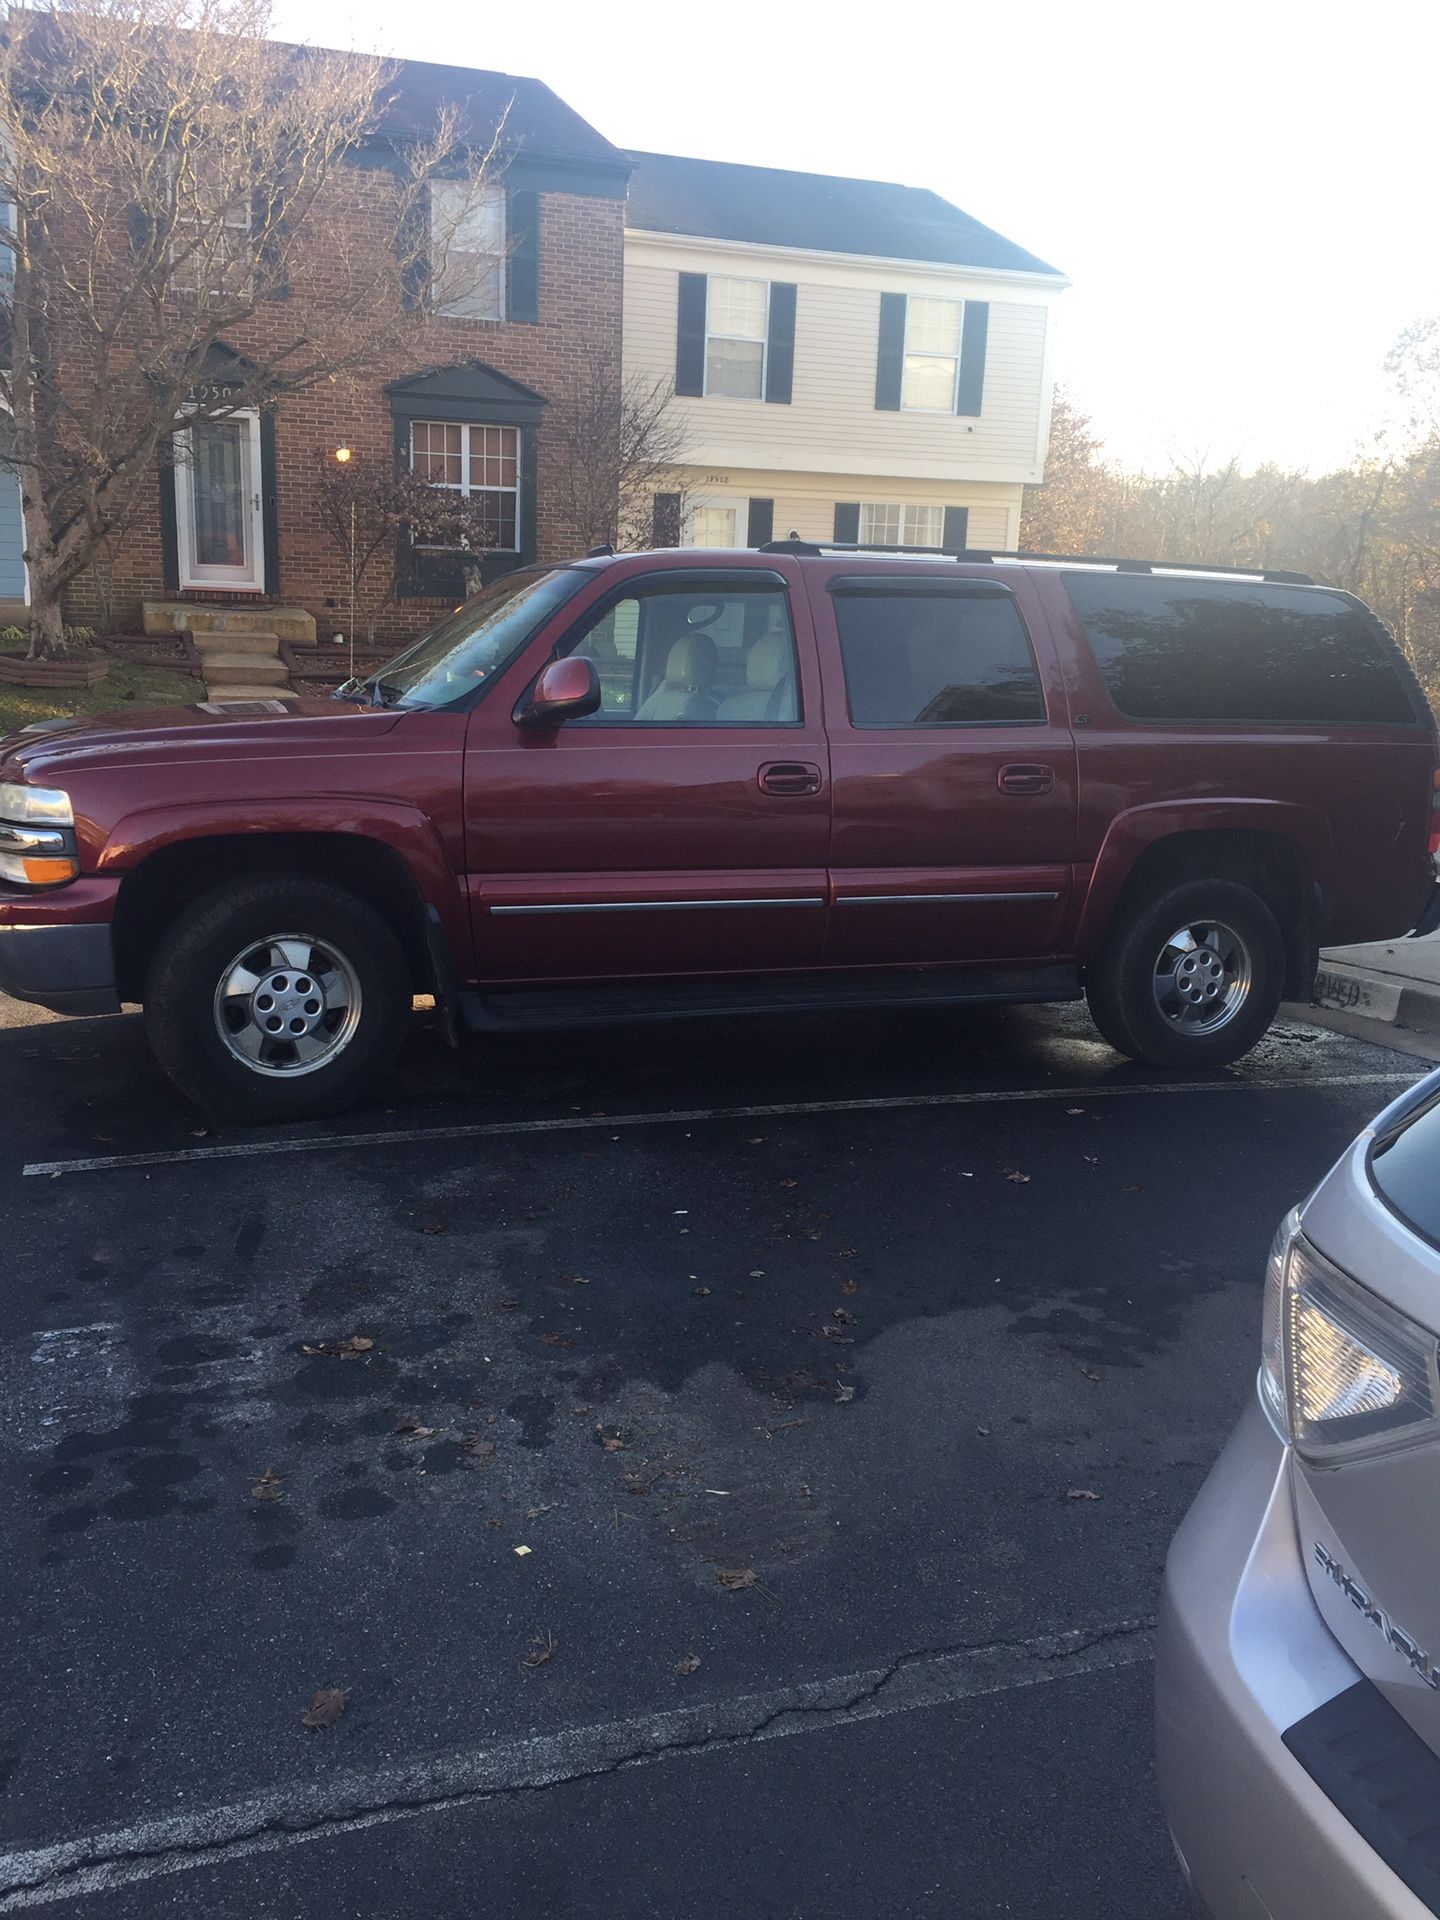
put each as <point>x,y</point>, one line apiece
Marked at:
<point>465,400</point>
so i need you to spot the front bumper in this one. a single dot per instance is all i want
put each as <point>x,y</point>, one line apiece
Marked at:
<point>56,950</point>
<point>1242,1655</point>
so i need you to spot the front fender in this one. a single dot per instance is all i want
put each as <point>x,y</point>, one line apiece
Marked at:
<point>1132,832</point>
<point>407,831</point>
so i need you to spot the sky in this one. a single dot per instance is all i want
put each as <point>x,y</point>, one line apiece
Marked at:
<point>1243,196</point>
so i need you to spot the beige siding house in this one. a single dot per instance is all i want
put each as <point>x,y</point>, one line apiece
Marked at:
<point>852,360</point>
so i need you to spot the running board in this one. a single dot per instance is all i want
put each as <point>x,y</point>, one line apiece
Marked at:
<point>534,1009</point>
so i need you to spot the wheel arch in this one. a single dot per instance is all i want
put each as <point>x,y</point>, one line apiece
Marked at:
<point>1279,851</point>
<point>154,891</point>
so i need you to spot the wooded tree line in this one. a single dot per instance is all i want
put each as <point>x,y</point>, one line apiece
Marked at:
<point>1372,528</point>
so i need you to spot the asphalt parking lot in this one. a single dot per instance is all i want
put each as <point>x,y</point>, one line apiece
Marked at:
<point>723,1470</point>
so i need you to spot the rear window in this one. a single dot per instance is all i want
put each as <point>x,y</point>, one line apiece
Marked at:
<point>1173,649</point>
<point>935,659</point>
<point>1406,1171</point>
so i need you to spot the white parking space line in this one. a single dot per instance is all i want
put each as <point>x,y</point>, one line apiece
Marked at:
<point>345,1803</point>
<point>689,1117</point>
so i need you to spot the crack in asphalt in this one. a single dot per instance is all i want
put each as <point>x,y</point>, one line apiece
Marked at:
<point>213,1837</point>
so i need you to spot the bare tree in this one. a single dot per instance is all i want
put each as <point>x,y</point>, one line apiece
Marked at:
<point>617,446</point>
<point>173,174</point>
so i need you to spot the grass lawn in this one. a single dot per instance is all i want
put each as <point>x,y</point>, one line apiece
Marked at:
<point>125,685</point>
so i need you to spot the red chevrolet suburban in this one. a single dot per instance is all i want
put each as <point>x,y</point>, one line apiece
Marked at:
<point>686,782</point>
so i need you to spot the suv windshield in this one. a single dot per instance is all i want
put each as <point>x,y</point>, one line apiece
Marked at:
<point>475,642</point>
<point>1406,1170</point>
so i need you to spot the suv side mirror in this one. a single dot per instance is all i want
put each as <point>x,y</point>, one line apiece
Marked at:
<point>566,690</point>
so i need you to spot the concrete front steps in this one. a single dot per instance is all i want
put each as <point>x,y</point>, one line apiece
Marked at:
<point>243,665</point>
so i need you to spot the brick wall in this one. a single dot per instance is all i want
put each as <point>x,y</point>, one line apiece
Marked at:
<point>579,307</point>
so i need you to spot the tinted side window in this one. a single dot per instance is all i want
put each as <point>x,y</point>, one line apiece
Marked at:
<point>935,659</point>
<point>1208,650</point>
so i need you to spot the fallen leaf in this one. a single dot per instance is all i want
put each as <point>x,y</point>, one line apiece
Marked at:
<point>844,1395</point>
<point>702,1291</point>
<point>1090,1373</point>
<point>555,1340</point>
<point>352,1348</point>
<point>542,1648</point>
<point>1074,1109</point>
<point>326,1708</point>
<point>407,1426</point>
<point>509,1306</point>
<point>1019,1179</point>
<point>635,1484</point>
<point>481,1450</point>
<point>199,1133</point>
<point>1091,1159</point>
<point>842,1316</point>
<point>1082,1493</point>
<point>690,1664</point>
<point>758,1140</point>
<point>984,1432</point>
<point>577,1279</point>
<point>851,1286</point>
<point>520,1552</point>
<point>534,1513</point>
<point>787,1182</point>
<point>1134,1189</point>
<point>268,1486</point>
<point>757,1273</point>
<point>433,1226</point>
<point>734,1578</point>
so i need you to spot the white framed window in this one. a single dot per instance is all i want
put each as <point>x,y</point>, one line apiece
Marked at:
<point>736,324</point>
<point>467,247</point>
<point>884,525</point>
<point>482,465</point>
<point>932,355</point>
<point>208,240</point>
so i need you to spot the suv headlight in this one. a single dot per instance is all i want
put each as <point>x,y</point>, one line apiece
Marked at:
<point>1341,1373</point>
<point>37,837</point>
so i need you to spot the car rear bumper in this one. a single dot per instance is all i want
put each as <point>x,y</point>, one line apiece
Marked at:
<point>1242,1656</point>
<point>56,950</point>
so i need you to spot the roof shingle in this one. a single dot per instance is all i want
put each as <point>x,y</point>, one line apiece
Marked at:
<point>818,212</point>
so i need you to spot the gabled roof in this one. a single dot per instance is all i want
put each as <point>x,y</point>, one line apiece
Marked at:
<point>817,212</point>
<point>536,121</point>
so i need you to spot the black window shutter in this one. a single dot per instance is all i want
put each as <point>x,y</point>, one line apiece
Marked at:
<point>666,520</point>
<point>169,526</point>
<point>412,244</point>
<point>690,336</point>
<point>141,227</point>
<point>974,332</point>
<point>522,265</point>
<point>268,216</point>
<point>780,355</point>
<point>761,523</point>
<point>847,520</point>
<point>269,501</point>
<point>890,364</point>
<point>957,528</point>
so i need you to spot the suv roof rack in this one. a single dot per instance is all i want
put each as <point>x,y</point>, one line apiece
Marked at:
<point>1275,575</point>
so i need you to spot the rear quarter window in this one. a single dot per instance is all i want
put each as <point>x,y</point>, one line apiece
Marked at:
<point>1406,1172</point>
<point>1171,649</point>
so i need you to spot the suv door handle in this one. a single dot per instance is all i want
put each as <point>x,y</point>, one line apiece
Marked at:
<point>1025,779</point>
<point>789,776</point>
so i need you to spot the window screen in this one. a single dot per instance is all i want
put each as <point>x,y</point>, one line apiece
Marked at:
<point>918,659</point>
<point>1211,650</point>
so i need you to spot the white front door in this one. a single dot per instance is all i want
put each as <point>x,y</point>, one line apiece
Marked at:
<point>717,522</point>
<point>220,537</point>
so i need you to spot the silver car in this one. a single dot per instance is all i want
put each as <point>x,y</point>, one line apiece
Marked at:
<point>1298,1675</point>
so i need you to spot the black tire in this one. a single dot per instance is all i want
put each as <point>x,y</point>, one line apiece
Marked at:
<point>196,954</point>
<point>1120,983</point>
